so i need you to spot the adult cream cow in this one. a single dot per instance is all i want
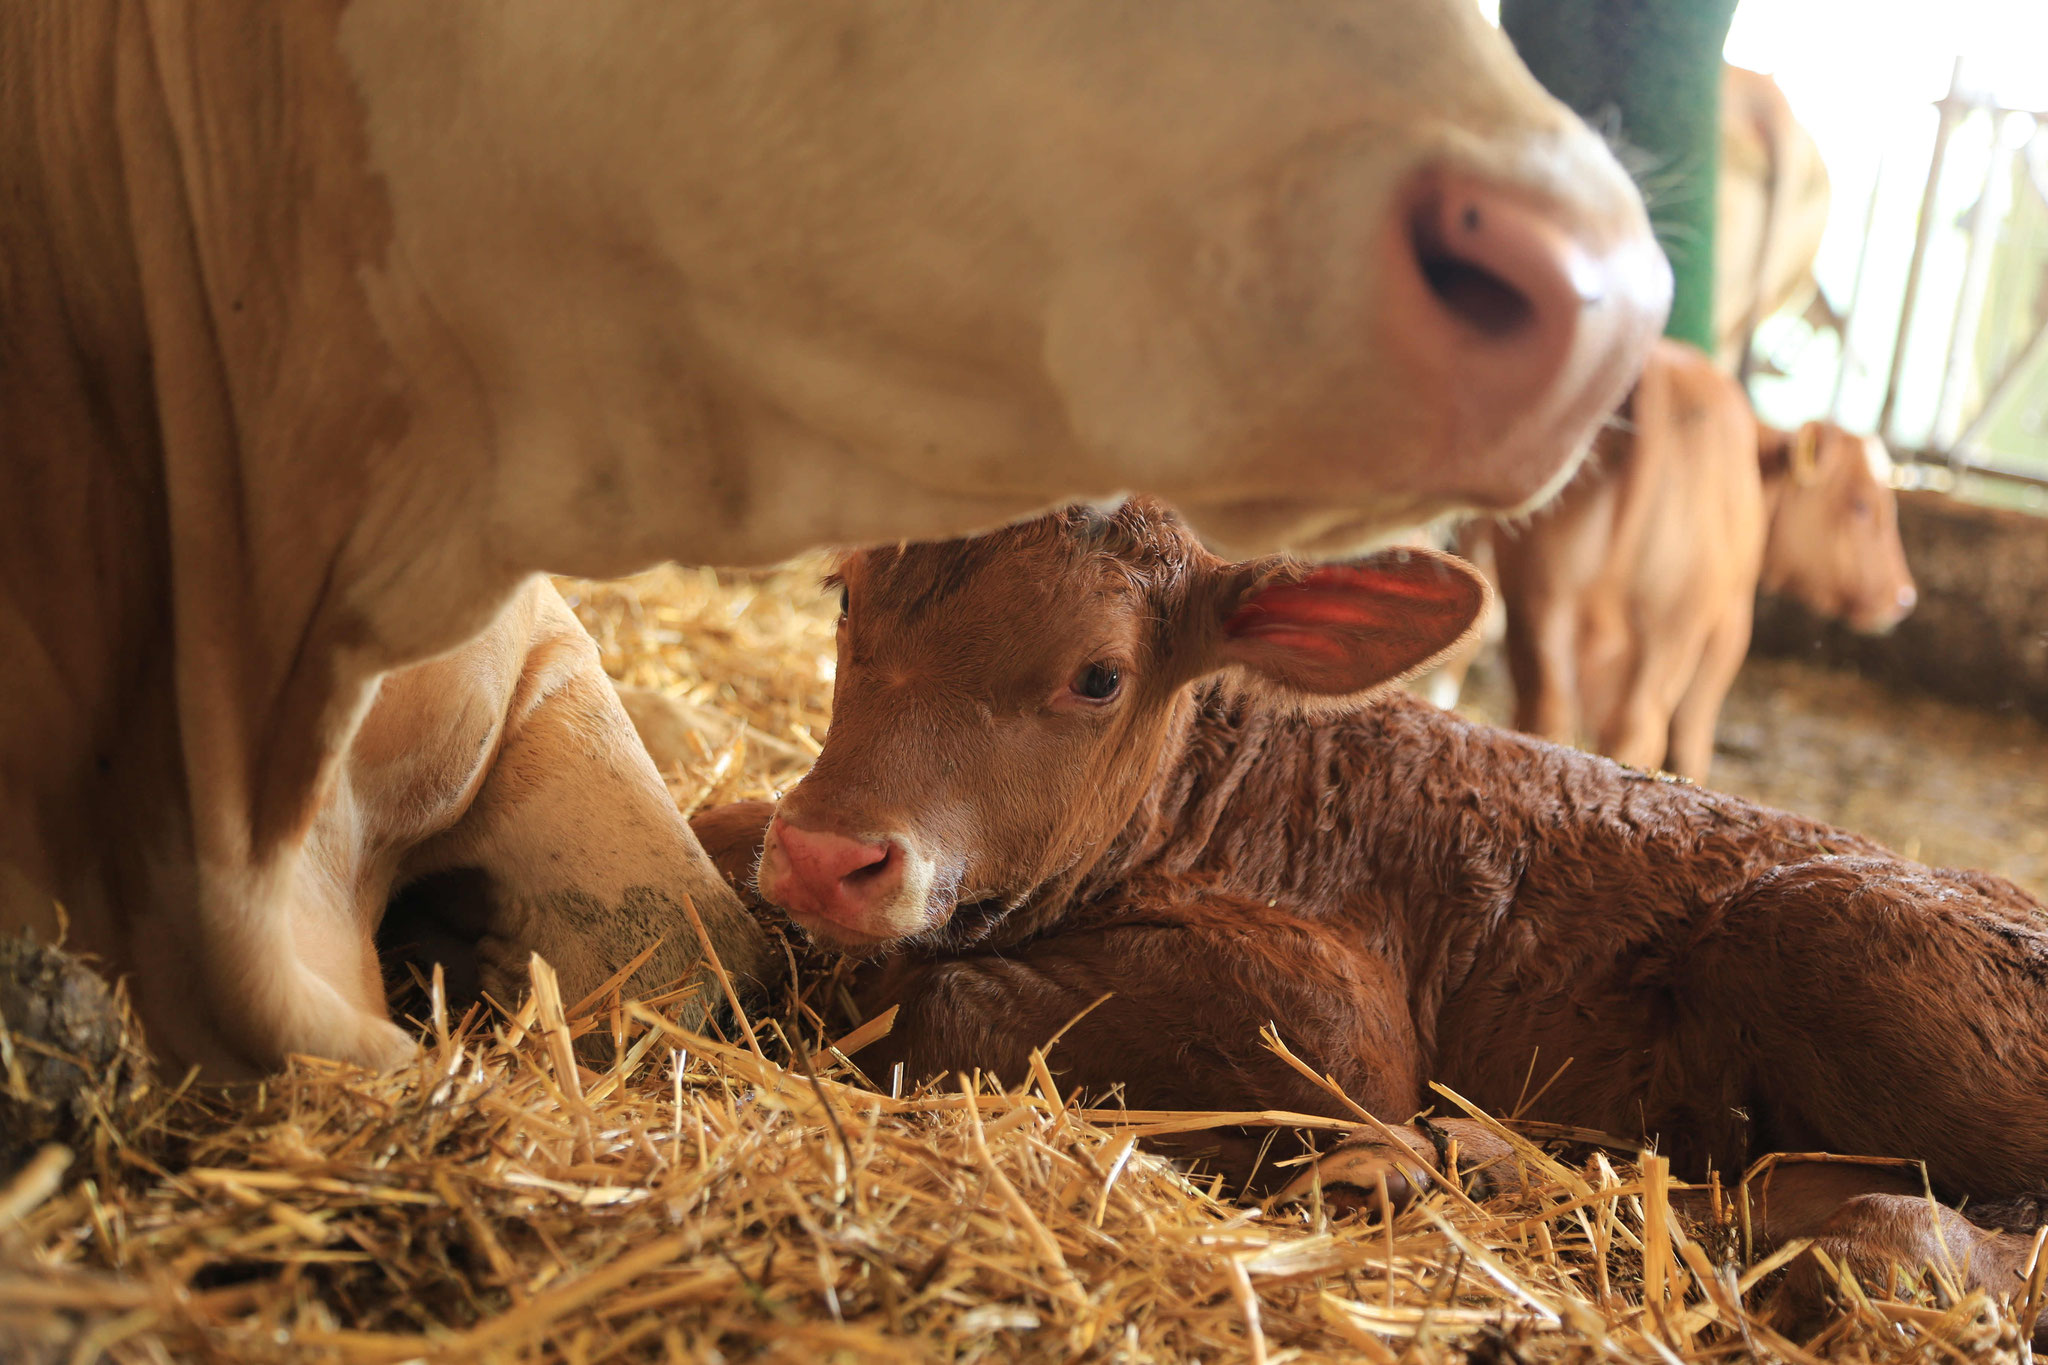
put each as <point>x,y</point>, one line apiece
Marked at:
<point>324,327</point>
<point>1770,211</point>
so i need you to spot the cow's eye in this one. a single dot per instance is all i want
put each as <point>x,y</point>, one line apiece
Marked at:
<point>1097,682</point>
<point>843,602</point>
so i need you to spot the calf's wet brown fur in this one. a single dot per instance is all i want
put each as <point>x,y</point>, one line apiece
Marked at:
<point>1246,831</point>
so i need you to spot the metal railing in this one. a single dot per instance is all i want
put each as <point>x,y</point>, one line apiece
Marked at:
<point>2016,155</point>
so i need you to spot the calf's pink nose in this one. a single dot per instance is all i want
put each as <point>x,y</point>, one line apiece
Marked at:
<point>1536,323</point>
<point>828,876</point>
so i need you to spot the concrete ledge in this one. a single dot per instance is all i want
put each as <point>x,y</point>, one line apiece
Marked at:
<point>1980,635</point>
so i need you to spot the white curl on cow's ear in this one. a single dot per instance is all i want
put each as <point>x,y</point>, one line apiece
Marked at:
<point>1346,629</point>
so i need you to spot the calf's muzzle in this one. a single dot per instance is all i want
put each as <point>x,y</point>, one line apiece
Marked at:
<point>851,893</point>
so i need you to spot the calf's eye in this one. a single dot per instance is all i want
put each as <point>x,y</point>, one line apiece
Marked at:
<point>843,602</point>
<point>1097,682</point>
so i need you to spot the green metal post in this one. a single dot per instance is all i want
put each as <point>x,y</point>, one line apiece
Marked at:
<point>1647,72</point>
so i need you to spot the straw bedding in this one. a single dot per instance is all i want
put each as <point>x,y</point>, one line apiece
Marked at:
<point>752,1196</point>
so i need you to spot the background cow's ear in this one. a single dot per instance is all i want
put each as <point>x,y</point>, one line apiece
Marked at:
<point>1334,629</point>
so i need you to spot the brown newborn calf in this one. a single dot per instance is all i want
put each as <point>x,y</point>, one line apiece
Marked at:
<point>1083,755</point>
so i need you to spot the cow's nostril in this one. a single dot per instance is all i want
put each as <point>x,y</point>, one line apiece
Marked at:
<point>1467,288</point>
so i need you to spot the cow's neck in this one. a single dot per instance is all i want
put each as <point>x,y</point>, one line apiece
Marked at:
<point>668,370</point>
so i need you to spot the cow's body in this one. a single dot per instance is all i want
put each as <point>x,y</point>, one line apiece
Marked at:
<point>323,327</point>
<point>1629,599</point>
<point>1406,895</point>
<point>1770,211</point>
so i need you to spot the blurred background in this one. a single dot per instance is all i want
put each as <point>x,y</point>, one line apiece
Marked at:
<point>1914,305</point>
<point>1932,123</point>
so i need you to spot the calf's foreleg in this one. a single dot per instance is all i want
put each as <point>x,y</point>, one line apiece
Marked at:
<point>1163,1004</point>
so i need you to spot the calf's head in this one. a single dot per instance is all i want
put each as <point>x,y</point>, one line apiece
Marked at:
<point>1004,706</point>
<point>1834,534</point>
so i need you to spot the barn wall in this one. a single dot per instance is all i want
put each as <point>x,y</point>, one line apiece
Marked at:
<point>1980,634</point>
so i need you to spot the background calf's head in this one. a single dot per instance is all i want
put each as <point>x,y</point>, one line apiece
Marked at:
<point>1834,534</point>
<point>1004,705</point>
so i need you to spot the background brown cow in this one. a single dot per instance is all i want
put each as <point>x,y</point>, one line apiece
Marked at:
<point>1629,600</point>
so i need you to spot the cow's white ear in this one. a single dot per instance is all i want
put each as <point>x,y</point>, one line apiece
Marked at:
<point>1343,628</point>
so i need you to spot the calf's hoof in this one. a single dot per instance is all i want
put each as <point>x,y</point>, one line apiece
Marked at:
<point>1353,1173</point>
<point>1892,1244</point>
<point>1353,1176</point>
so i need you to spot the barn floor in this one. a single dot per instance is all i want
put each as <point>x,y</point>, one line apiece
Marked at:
<point>1946,784</point>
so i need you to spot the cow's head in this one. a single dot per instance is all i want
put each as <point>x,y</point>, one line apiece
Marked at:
<point>1307,269</point>
<point>1004,706</point>
<point>1834,535</point>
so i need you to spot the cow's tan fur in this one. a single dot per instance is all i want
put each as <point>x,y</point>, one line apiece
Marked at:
<point>1770,210</point>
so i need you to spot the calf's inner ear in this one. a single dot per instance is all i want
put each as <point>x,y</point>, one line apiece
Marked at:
<point>1342,628</point>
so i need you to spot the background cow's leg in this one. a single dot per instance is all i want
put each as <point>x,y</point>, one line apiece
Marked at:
<point>1699,709</point>
<point>1188,988</point>
<point>1638,731</point>
<point>585,858</point>
<point>1609,660</point>
<point>1542,650</point>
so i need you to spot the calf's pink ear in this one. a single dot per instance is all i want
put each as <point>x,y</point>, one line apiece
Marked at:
<point>1342,628</point>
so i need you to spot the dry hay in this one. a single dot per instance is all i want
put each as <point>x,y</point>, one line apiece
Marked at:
<point>701,1198</point>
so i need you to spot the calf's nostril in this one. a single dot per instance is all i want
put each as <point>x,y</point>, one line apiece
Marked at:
<point>884,859</point>
<point>822,859</point>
